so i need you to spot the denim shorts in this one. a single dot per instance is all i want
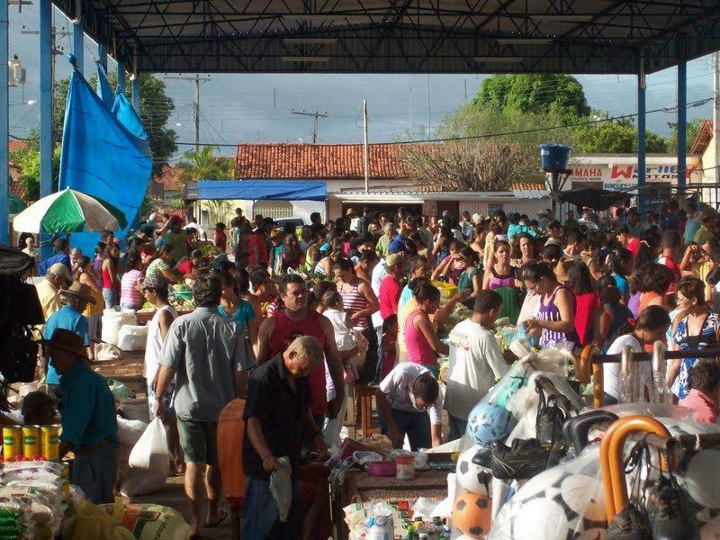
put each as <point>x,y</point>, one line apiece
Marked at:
<point>110,297</point>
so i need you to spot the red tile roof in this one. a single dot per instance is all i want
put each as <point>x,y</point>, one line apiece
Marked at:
<point>317,161</point>
<point>170,178</point>
<point>14,145</point>
<point>703,138</point>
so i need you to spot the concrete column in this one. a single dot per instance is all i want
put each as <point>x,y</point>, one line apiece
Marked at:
<point>641,145</point>
<point>4,127</point>
<point>136,93</point>
<point>682,125</point>
<point>79,45</point>
<point>46,98</point>
<point>121,77</point>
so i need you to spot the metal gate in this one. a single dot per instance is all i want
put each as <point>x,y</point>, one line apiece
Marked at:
<point>273,209</point>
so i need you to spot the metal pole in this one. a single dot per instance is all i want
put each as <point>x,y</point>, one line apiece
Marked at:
<point>682,126</point>
<point>79,44</point>
<point>102,55</point>
<point>716,116</point>
<point>427,129</point>
<point>121,76</point>
<point>136,92</point>
<point>197,113</point>
<point>4,127</point>
<point>46,85</point>
<point>366,149</point>
<point>641,162</point>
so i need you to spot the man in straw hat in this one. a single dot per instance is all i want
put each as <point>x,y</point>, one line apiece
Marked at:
<point>89,427</point>
<point>75,299</point>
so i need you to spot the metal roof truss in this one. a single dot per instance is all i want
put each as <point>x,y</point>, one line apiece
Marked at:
<point>401,36</point>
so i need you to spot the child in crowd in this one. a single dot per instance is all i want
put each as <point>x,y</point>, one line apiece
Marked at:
<point>390,329</point>
<point>349,344</point>
<point>704,388</point>
<point>220,237</point>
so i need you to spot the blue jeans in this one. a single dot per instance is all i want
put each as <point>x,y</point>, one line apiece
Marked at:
<point>110,297</point>
<point>415,425</point>
<point>379,365</point>
<point>260,513</point>
<point>458,427</point>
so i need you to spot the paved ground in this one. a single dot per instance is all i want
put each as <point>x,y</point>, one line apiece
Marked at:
<point>174,497</point>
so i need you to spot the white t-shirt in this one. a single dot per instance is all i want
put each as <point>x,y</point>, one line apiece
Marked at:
<point>476,362</point>
<point>343,335</point>
<point>379,273</point>
<point>155,342</point>
<point>397,387</point>
<point>611,372</point>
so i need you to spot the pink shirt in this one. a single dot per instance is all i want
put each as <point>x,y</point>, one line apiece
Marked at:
<point>706,409</point>
<point>418,347</point>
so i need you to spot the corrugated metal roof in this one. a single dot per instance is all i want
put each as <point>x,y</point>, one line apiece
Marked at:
<point>412,36</point>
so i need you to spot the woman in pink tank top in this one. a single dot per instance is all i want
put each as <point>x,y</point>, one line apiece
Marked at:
<point>421,339</point>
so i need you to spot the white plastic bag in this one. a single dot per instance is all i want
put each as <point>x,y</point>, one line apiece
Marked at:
<point>149,462</point>
<point>151,451</point>
<point>281,487</point>
<point>108,352</point>
<point>132,338</point>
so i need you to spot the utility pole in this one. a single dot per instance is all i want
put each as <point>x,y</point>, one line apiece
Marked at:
<point>317,116</point>
<point>366,148</point>
<point>716,113</point>
<point>196,103</point>
<point>427,129</point>
<point>55,51</point>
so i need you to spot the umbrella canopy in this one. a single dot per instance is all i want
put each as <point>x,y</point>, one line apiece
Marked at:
<point>597,199</point>
<point>69,211</point>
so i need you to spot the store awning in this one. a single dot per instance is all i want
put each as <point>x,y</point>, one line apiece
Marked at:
<point>256,190</point>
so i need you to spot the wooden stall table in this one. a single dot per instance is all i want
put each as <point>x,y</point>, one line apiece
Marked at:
<point>359,486</point>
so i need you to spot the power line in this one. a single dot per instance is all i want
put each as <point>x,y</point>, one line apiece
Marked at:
<point>690,105</point>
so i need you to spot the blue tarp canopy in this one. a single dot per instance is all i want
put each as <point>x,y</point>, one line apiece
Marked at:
<point>262,190</point>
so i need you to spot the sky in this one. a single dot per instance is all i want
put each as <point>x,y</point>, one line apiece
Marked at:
<point>259,107</point>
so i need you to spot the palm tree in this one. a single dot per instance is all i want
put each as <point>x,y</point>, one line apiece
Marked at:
<point>203,164</point>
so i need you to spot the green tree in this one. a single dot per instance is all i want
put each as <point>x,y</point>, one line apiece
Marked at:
<point>203,164</point>
<point>538,94</point>
<point>614,137</point>
<point>28,160</point>
<point>155,110</point>
<point>693,127</point>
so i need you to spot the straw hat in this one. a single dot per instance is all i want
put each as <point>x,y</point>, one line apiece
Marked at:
<point>78,290</point>
<point>66,340</point>
<point>59,269</point>
<point>394,259</point>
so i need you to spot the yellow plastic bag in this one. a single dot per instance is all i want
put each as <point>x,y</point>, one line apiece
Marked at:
<point>447,290</point>
<point>94,523</point>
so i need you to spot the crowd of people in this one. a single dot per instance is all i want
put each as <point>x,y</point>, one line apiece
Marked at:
<point>291,320</point>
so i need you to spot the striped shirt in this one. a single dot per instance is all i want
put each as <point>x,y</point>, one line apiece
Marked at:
<point>550,312</point>
<point>354,301</point>
<point>130,295</point>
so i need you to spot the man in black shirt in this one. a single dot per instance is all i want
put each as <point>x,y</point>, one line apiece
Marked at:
<point>278,418</point>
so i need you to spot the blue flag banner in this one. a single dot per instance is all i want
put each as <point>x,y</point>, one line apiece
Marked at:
<point>103,87</point>
<point>123,110</point>
<point>103,157</point>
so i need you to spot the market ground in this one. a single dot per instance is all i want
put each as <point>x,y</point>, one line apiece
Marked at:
<point>173,496</point>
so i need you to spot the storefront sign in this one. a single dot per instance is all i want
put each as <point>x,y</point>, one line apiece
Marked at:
<point>614,176</point>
